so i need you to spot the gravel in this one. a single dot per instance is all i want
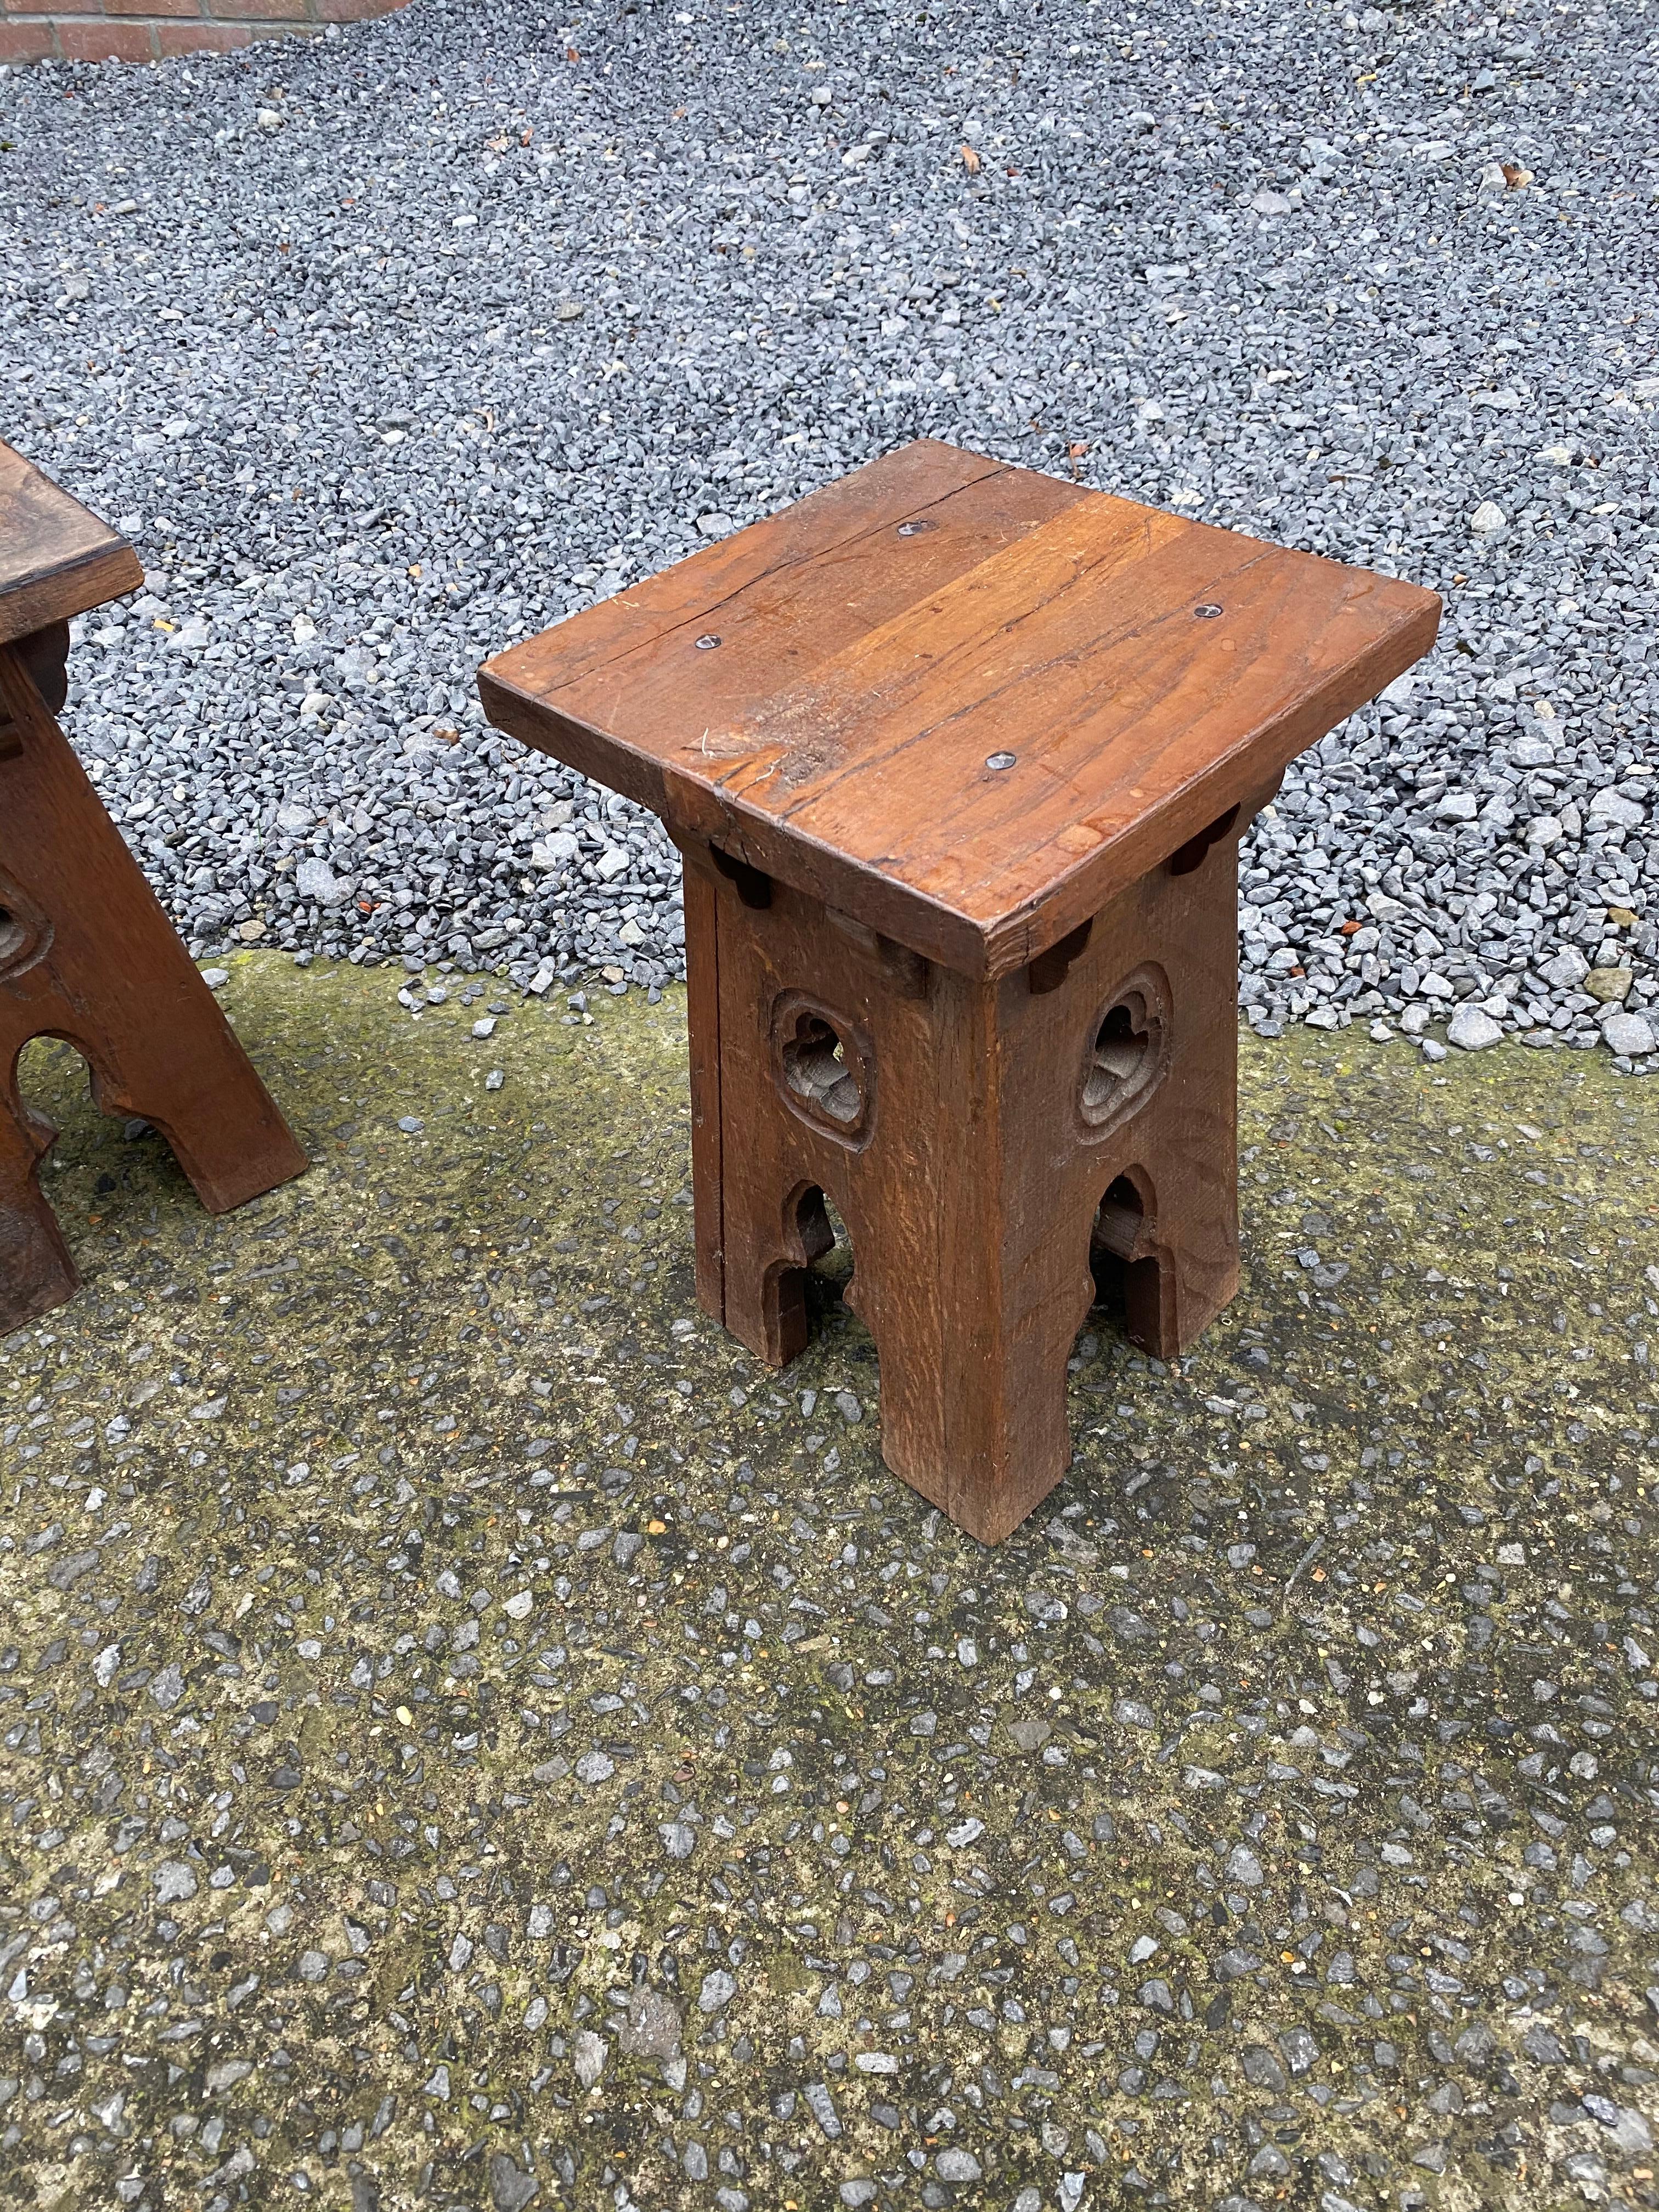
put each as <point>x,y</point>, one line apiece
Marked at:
<point>389,349</point>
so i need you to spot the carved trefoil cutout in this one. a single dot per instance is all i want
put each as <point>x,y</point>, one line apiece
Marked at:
<point>824,1067</point>
<point>25,931</point>
<point>1126,1050</point>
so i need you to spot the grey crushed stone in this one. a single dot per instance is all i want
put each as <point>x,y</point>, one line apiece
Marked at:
<point>392,348</point>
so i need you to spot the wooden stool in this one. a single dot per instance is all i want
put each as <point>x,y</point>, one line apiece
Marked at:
<point>958,757</point>
<point>86,952</point>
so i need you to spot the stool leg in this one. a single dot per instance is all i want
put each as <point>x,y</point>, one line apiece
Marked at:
<point>973,1303</point>
<point>1193,1274</point>
<point>202,1093</point>
<point>703,1024</point>
<point>974,1339</point>
<point>1166,1181</point>
<point>973,1376</point>
<point>36,1271</point>
<point>1172,1244</point>
<point>1189,1141</point>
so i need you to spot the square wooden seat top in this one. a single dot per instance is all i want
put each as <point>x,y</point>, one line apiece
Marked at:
<point>962,701</point>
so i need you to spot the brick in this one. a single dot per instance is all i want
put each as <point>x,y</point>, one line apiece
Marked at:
<point>25,42</point>
<point>200,38</point>
<point>101,41</point>
<point>139,30</point>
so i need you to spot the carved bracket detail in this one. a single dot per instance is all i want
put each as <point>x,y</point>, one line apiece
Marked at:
<point>1192,854</point>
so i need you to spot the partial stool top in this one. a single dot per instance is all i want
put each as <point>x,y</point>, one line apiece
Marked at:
<point>57,559</point>
<point>962,701</point>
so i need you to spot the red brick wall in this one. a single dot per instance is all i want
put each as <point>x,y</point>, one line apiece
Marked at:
<point>142,30</point>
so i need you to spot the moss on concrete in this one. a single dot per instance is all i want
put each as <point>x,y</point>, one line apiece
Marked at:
<point>431,1636</point>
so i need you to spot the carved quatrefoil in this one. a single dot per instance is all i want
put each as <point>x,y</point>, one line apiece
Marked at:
<point>1127,1052</point>
<point>823,1066</point>
<point>25,932</point>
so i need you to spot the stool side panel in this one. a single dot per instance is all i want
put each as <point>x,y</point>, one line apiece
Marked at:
<point>1185,1133</point>
<point>883,1182</point>
<point>1178,1145</point>
<point>100,966</point>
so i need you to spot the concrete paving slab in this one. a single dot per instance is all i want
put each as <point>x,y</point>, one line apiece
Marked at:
<point>471,1736</point>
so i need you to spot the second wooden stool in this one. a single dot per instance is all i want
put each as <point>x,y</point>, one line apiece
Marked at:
<point>86,952</point>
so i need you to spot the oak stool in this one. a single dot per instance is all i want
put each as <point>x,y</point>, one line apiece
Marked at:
<point>86,952</point>
<point>958,757</point>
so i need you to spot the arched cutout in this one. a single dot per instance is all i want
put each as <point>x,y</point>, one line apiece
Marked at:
<point>49,1056</point>
<point>71,1098</point>
<point>43,1067</point>
<point>64,1106</point>
<point>1123,1260</point>
<point>814,1279</point>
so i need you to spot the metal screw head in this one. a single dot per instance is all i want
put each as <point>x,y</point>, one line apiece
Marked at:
<point>914,529</point>
<point>1208,611</point>
<point>1000,760</point>
<point>707,641</point>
